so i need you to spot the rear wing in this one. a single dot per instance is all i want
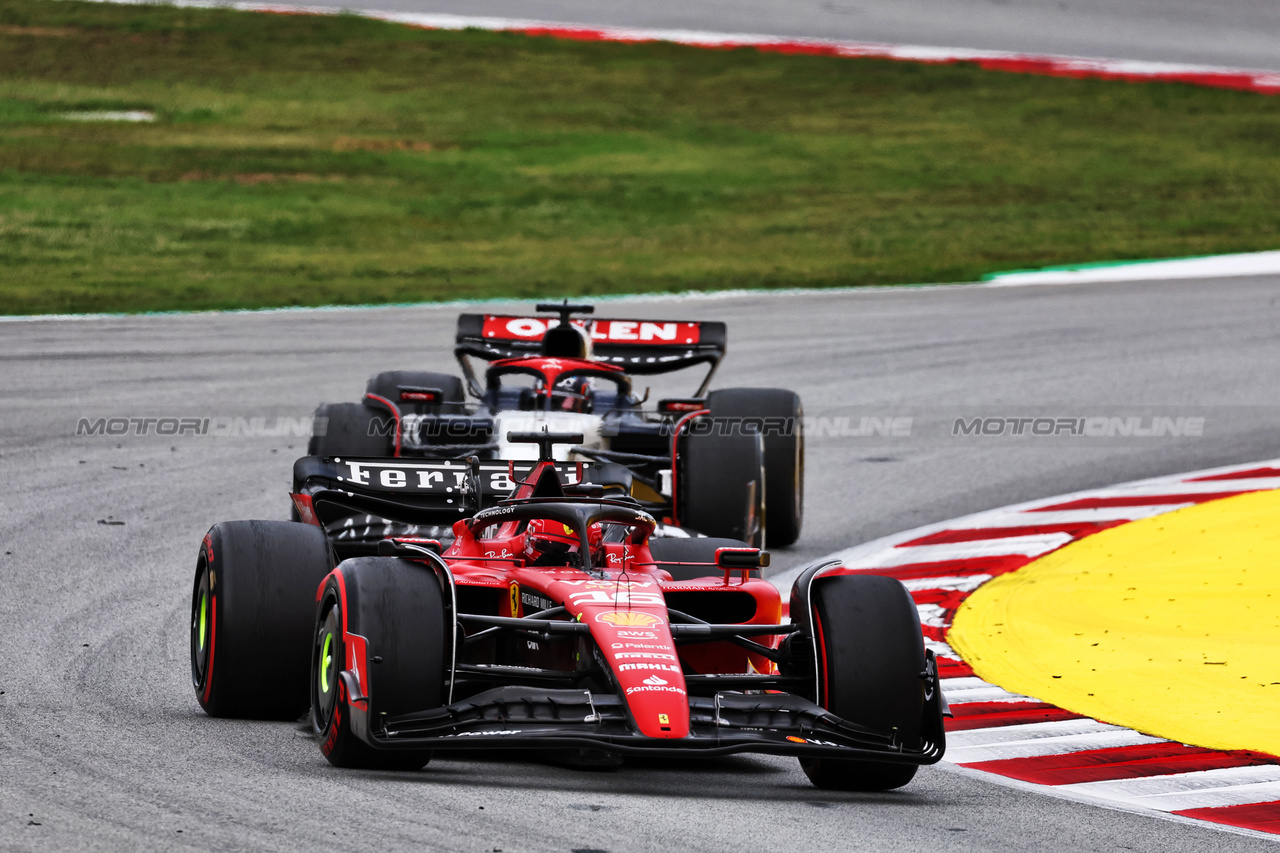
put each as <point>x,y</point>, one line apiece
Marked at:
<point>447,480</point>
<point>360,502</point>
<point>639,347</point>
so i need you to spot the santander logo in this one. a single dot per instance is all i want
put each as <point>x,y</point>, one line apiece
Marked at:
<point>655,681</point>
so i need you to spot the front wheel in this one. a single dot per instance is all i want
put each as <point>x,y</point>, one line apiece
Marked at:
<point>870,665</point>
<point>381,627</point>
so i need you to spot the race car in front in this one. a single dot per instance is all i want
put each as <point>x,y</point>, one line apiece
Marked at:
<point>554,621</point>
<point>726,462</point>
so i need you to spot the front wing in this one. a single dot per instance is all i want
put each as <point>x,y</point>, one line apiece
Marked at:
<point>540,718</point>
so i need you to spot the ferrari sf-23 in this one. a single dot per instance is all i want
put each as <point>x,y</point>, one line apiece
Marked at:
<point>556,621</point>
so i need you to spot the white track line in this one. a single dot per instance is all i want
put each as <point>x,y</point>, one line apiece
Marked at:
<point>1025,546</point>
<point>1220,266</point>
<point>1235,786</point>
<point>1066,516</point>
<point>941,650</point>
<point>1184,487</point>
<point>961,584</point>
<point>967,747</point>
<point>973,689</point>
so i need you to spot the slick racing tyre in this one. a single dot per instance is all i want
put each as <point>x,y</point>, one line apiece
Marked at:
<point>252,608</point>
<point>669,554</point>
<point>380,628</point>
<point>776,413</point>
<point>389,384</point>
<point>351,429</point>
<point>870,660</point>
<point>721,484</point>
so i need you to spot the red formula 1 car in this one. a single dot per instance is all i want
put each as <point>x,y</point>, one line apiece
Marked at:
<point>553,621</point>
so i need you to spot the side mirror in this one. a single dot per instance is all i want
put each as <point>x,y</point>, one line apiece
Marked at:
<point>741,558</point>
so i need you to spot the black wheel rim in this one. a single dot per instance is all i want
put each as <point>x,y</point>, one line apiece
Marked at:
<point>201,627</point>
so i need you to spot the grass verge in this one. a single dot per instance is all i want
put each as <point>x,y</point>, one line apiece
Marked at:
<point>300,160</point>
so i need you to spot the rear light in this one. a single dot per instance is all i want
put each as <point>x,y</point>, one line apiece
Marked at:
<point>412,394</point>
<point>681,406</point>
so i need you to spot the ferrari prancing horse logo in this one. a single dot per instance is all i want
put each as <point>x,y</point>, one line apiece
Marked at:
<point>515,599</point>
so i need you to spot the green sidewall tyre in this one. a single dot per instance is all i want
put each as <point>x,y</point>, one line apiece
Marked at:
<point>252,605</point>
<point>397,606</point>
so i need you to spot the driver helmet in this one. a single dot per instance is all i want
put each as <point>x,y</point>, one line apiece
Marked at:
<point>574,394</point>
<point>551,543</point>
<point>595,540</point>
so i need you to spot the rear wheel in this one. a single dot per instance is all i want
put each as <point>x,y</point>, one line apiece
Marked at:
<point>779,416</point>
<point>721,485</point>
<point>351,429</point>
<point>870,660</point>
<point>398,387</point>
<point>669,554</point>
<point>397,609</point>
<point>251,613</point>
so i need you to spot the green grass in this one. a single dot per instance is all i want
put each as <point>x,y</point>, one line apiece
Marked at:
<point>313,160</point>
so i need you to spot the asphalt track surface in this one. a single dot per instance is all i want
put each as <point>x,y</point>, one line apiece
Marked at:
<point>1234,33</point>
<point>102,744</point>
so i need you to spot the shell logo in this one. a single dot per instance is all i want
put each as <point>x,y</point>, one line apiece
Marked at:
<point>629,619</point>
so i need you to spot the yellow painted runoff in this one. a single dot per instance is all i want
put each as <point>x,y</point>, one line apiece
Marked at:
<point>1169,625</point>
